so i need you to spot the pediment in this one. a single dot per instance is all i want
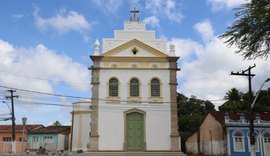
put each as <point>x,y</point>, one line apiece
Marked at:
<point>134,48</point>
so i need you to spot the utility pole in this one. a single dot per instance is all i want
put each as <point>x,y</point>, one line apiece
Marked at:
<point>247,73</point>
<point>13,116</point>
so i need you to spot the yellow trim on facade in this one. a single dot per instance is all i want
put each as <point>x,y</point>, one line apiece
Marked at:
<point>113,98</point>
<point>78,112</point>
<point>134,98</point>
<point>139,65</point>
<point>134,59</point>
<point>155,98</point>
<point>133,43</point>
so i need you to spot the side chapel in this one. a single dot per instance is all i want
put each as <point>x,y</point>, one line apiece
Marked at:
<point>134,94</point>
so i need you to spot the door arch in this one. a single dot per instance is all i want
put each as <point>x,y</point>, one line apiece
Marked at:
<point>134,130</point>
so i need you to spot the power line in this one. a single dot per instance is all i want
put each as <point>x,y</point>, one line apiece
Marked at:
<point>106,100</point>
<point>51,94</point>
<point>43,79</point>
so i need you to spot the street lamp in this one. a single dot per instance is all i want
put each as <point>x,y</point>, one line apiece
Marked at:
<point>24,119</point>
<point>7,106</point>
<point>252,135</point>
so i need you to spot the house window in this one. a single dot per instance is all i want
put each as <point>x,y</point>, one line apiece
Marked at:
<point>21,139</point>
<point>134,87</point>
<point>266,138</point>
<point>113,87</point>
<point>6,139</point>
<point>155,87</point>
<point>238,139</point>
<point>48,139</point>
<point>257,149</point>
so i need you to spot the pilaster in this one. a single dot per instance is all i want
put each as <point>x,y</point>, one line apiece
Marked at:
<point>94,135</point>
<point>175,143</point>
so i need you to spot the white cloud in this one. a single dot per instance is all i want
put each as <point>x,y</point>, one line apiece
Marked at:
<point>166,8</point>
<point>206,67</point>
<point>22,66</point>
<point>217,5</point>
<point>62,22</point>
<point>205,29</point>
<point>108,6</point>
<point>185,47</point>
<point>6,53</point>
<point>153,21</point>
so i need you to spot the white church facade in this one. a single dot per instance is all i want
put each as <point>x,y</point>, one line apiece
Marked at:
<point>134,105</point>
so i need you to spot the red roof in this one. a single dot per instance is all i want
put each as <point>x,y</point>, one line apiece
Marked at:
<point>18,128</point>
<point>219,116</point>
<point>52,129</point>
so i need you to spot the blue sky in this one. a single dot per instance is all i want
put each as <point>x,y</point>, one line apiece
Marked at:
<point>45,47</point>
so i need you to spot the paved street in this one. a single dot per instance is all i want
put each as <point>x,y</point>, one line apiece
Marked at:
<point>32,153</point>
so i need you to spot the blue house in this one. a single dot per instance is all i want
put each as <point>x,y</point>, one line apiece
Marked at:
<point>223,133</point>
<point>238,134</point>
<point>51,138</point>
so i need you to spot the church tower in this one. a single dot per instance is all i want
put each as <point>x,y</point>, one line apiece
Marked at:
<point>134,105</point>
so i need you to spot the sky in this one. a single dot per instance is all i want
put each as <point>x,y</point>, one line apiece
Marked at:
<point>45,48</point>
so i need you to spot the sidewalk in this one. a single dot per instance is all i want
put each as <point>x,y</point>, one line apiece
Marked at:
<point>65,153</point>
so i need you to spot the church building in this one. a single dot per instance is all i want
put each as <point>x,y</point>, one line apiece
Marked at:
<point>134,105</point>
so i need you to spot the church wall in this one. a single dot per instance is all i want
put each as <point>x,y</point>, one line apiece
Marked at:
<point>144,77</point>
<point>86,120</point>
<point>81,129</point>
<point>75,133</point>
<point>111,115</point>
<point>81,125</point>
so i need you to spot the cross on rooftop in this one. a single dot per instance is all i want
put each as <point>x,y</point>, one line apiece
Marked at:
<point>134,12</point>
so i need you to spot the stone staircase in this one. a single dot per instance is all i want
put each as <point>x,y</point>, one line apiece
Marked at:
<point>133,154</point>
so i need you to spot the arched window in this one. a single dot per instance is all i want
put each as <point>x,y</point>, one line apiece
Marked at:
<point>238,140</point>
<point>134,87</point>
<point>113,87</point>
<point>257,143</point>
<point>155,87</point>
<point>266,138</point>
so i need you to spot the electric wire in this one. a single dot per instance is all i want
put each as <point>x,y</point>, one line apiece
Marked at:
<point>43,79</point>
<point>51,94</point>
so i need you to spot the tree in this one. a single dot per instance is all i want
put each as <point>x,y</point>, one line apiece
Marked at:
<point>190,114</point>
<point>233,95</point>
<point>235,101</point>
<point>250,31</point>
<point>57,123</point>
<point>233,104</point>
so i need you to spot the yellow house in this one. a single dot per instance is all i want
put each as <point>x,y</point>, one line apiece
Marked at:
<point>210,138</point>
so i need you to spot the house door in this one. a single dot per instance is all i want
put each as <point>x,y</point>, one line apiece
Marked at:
<point>135,131</point>
<point>266,141</point>
<point>35,142</point>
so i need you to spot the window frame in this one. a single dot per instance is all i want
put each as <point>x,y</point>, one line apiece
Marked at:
<point>236,139</point>
<point>134,89</point>
<point>158,85</point>
<point>7,139</point>
<point>257,142</point>
<point>115,92</point>
<point>48,139</point>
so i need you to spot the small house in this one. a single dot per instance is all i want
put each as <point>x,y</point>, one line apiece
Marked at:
<point>223,133</point>
<point>20,137</point>
<point>51,138</point>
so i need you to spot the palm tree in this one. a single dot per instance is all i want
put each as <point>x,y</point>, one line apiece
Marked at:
<point>233,95</point>
<point>234,101</point>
